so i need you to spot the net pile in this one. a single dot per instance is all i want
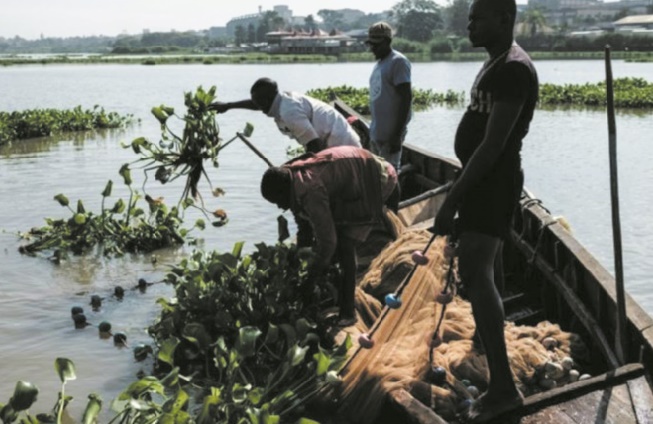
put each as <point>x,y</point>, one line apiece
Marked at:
<point>399,358</point>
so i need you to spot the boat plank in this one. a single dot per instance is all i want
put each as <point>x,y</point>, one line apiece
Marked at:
<point>642,398</point>
<point>415,409</point>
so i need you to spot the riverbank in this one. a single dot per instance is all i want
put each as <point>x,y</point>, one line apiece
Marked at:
<point>267,59</point>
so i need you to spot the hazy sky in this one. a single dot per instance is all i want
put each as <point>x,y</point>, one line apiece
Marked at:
<point>66,18</point>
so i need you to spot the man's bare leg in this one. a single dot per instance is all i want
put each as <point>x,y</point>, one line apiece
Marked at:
<point>477,253</point>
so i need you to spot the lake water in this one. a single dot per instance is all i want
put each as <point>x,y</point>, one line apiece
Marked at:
<point>565,160</point>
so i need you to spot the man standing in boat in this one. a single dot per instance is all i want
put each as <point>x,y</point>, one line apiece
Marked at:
<point>390,95</point>
<point>336,195</point>
<point>313,123</point>
<point>485,195</point>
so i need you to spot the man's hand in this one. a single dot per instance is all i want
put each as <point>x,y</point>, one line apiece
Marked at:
<point>219,107</point>
<point>443,223</point>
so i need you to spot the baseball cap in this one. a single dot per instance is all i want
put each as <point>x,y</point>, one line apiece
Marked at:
<point>379,32</point>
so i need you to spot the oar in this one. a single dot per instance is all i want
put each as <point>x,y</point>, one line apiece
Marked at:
<point>620,336</point>
<point>254,149</point>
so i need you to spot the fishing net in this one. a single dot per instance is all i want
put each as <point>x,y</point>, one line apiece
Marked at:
<point>399,358</point>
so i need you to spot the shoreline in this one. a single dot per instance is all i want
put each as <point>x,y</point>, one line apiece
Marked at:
<point>270,59</point>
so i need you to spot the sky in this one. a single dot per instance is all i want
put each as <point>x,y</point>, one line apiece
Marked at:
<point>68,18</point>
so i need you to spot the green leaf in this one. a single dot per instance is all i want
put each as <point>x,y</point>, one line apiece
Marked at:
<point>92,410</point>
<point>200,224</point>
<point>297,354</point>
<point>323,362</point>
<point>306,421</point>
<point>256,395</point>
<point>7,414</point>
<point>238,249</point>
<point>167,350</point>
<point>303,327</point>
<point>107,189</point>
<point>239,392</point>
<point>289,331</point>
<point>25,395</point>
<point>172,378</point>
<point>249,130</point>
<point>125,173</point>
<point>160,114</point>
<point>272,335</point>
<point>63,200</point>
<point>197,334</point>
<point>246,343</point>
<point>79,218</point>
<point>141,387</point>
<point>80,207</point>
<point>180,400</point>
<point>119,207</point>
<point>65,368</point>
<point>210,400</point>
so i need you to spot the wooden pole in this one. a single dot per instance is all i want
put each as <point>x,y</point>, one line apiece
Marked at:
<point>254,149</point>
<point>621,341</point>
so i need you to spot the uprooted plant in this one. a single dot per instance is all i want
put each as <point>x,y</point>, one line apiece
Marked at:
<point>178,156</point>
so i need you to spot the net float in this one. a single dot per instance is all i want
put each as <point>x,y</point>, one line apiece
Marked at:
<point>419,258</point>
<point>393,301</point>
<point>365,341</point>
<point>444,298</point>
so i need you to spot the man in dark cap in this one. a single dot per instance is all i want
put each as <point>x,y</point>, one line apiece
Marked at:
<point>340,193</point>
<point>390,95</point>
<point>485,195</point>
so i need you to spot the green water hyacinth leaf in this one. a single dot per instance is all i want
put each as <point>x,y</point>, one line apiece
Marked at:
<point>7,414</point>
<point>25,395</point>
<point>167,350</point>
<point>272,335</point>
<point>80,207</point>
<point>197,334</point>
<point>297,354</point>
<point>161,114</point>
<point>200,224</point>
<point>240,392</point>
<point>176,406</point>
<point>172,378</point>
<point>142,386</point>
<point>65,368</point>
<point>93,408</point>
<point>210,400</point>
<point>125,173</point>
<point>80,219</point>
<point>238,249</point>
<point>249,130</point>
<point>63,200</point>
<point>119,207</point>
<point>107,189</point>
<point>246,343</point>
<point>307,421</point>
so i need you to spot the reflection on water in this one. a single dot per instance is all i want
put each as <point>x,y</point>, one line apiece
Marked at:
<point>564,157</point>
<point>44,144</point>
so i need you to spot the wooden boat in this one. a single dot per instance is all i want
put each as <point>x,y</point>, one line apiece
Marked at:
<point>566,285</point>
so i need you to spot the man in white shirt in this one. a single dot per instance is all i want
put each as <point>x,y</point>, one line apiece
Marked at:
<point>313,123</point>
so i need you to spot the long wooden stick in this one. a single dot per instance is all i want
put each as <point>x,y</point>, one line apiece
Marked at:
<point>254,149</point>
<point>620,336</point>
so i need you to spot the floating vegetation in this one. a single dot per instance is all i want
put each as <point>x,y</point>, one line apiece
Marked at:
<point>246,326</point>
<point>359,98</point>
<point>46,122</point>
<point>122,228</point>
<point>628,93</point>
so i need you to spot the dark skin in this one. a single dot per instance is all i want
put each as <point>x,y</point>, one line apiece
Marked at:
<point>262,100</point>
<point>381,49</point>
<point>478,252</point>
<point>346,255</point>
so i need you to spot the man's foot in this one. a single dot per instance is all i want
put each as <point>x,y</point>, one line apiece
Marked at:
<point>346,321</point>
<point>487,407</point>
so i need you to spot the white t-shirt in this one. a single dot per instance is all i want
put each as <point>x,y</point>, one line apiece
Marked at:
<point>304,119</point>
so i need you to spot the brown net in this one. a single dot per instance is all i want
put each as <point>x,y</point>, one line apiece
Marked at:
<point>400,356</point>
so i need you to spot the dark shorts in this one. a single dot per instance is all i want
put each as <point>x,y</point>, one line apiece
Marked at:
<point>489,208</point>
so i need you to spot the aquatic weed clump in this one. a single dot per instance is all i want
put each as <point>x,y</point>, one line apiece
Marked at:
<point>244,326</point>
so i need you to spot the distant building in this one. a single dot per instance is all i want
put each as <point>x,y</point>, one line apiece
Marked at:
<point>575,13</point>
<point>636,25</point>
<point>316,42</point>
<point>253,19</point>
